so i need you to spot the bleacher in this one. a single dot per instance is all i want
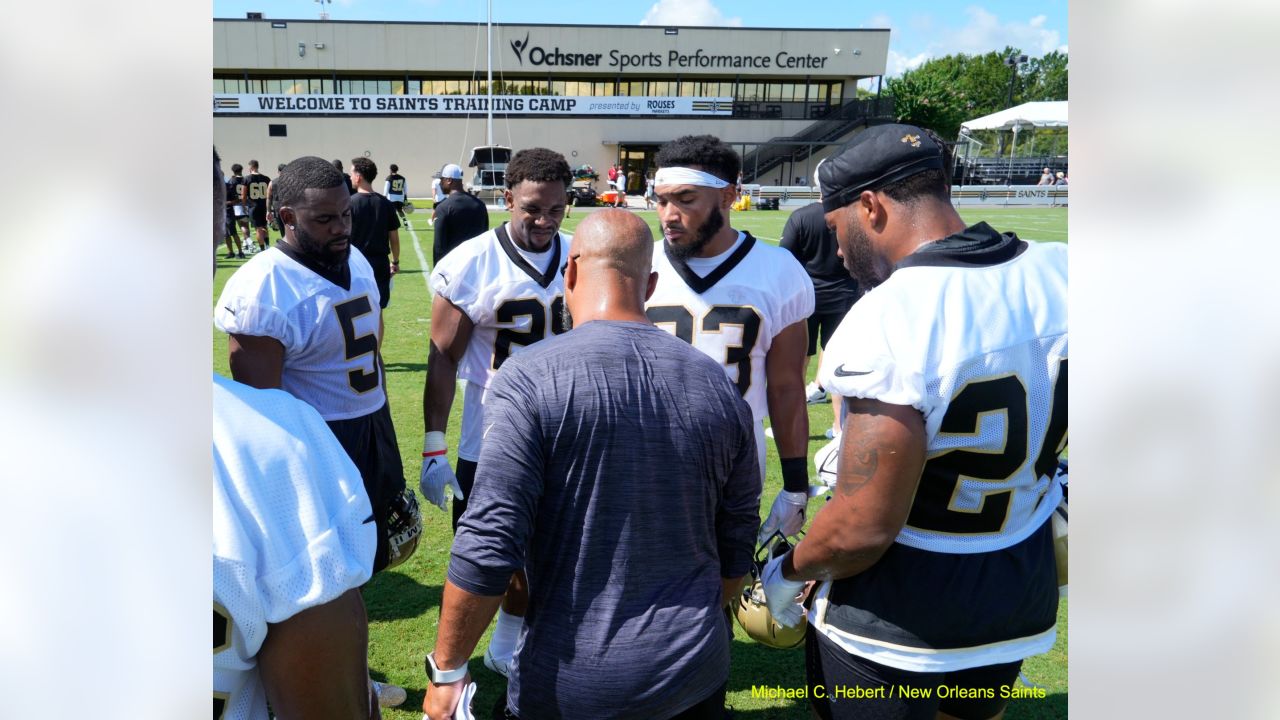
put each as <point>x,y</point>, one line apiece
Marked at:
<point>1000,171</point>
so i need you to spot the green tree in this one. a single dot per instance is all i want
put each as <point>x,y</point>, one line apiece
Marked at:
<point>944,92</point>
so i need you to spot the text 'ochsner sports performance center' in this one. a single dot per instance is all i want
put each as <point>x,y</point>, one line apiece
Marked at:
<point>416,94</point>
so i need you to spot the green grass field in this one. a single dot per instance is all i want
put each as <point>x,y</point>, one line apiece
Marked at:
<point>404,604</point>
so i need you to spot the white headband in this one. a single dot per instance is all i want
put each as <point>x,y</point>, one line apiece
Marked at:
<point>687,176</point>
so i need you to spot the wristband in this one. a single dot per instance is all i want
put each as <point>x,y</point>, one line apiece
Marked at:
<point>795,474</point>
<point>433,444</point>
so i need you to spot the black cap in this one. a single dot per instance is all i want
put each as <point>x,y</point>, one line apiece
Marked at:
<point>878,156</point>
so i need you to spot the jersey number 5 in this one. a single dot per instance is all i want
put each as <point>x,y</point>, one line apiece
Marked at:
<point>717,317</point>
<point>939,483</point>
<point>539,316</point>
<point>358,345</point>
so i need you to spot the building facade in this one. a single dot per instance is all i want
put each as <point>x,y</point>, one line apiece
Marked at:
<point>416,94</point>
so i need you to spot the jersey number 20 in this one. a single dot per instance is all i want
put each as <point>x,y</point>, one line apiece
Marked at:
<point>540,317</point>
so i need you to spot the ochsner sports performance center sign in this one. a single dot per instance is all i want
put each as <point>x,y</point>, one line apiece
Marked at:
<point>247,104</point>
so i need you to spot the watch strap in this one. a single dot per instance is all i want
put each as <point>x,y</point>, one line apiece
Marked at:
<point>444,677</point>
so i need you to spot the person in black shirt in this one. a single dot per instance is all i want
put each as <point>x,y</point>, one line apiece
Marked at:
<point>350,188</point>
<point>813,244</point>
<point>375,229</point>
<point>237,199</point>
<point>396,188</point>
<point>257,195</point>
<point>459,218</point>
<point>229,204</point>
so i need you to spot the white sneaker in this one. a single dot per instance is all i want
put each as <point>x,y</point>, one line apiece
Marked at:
<point>814,394</point>
<point>831,433</point>
<point>498,665</point>
<point>388,695</point>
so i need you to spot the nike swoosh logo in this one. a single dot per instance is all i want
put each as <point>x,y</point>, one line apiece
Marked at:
<point>431,462</point>
<point>841,372</point>
<point>224,307</point>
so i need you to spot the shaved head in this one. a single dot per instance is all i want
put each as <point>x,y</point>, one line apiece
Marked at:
<point>617,240</point>
<point>610,271</point>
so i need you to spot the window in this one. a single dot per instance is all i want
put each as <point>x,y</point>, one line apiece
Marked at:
<point>277,131</point>
<point>326,86</point>
<point>383,87</point>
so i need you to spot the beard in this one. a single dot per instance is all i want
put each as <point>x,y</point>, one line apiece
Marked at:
<point>565,317</point>
<point>320,251</point>
<point>861,259</point>
<point>715,221</point>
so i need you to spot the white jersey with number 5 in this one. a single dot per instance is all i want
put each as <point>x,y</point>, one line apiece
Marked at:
<point>972,332</point>
<point>732,306</point>
<point>292,529</point>
<point>513,297</point>
<point>326,321</point>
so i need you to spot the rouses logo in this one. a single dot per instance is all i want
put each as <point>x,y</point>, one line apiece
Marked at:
<point>518,46</point>
<point>661,104</point>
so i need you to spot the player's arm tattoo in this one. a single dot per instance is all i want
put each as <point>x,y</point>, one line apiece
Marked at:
<point>860,457</point>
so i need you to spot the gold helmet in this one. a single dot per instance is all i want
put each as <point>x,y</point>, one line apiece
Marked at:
<point>407,207</point>
<point>404,527</point>
<point>753,612</point>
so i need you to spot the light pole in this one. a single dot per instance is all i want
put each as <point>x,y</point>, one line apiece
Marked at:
<point>1013,61</point>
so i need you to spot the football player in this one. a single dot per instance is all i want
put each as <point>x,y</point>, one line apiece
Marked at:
<point>304,316</point>
<point>256,193</point>
<point>301,646</point>
<point>936,551</point>
<point>396,188</point>
<point>743,302</point>
<point>495,294</point>
<point>237,198</point>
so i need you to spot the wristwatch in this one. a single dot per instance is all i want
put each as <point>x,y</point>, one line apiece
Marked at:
<point>444,677</point>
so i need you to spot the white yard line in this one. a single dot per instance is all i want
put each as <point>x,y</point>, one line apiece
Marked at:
<point>422,259</point>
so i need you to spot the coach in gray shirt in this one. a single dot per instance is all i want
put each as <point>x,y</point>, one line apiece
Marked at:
<point>619,469</point>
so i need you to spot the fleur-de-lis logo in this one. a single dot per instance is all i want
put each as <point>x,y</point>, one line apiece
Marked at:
<point>518,46</point>
<point>913,139</point>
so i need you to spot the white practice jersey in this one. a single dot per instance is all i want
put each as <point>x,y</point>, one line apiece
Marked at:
<point>974,336</point>
<point>513,298</point>
<point>732,306</point>
<point>329,331</point>
<point>292,529</point>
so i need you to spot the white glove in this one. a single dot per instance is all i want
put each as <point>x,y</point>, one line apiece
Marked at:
<point>782,595</point>
<point>786,515</point>
<point>436,473</point>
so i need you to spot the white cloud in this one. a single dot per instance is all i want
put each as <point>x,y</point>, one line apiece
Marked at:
<point>985,32</point>
<point>982,33</point>
<point>688,12</point>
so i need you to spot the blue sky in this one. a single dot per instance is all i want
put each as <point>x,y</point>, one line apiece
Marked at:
<point>920,29</point>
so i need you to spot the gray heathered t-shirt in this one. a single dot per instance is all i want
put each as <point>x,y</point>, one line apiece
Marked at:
<point>619,468</point>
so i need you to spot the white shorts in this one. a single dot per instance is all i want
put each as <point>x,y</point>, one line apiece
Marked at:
<point>240,211</point>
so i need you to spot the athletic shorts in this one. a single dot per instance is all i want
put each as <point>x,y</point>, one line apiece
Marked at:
<point>370,442</point>
<point>823,325</point>
<point>847,687</point>
<point>709,708</point>
<point>382,278</point>
<point>260,215</point>
<point>231,224</point>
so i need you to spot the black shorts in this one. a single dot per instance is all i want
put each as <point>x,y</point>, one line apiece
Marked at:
<point>847,687</point>
<point>709,708</point>
<point>824,324</point>
<point>260,215</point>
<point>370,442</point>
<point>382,278</point>
<point>397,204</point>
<point>924,599</point>
<point>231,224</point>
<point>466,474</point>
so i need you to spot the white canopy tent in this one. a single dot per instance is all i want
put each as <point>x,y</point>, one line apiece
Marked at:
<point>1032,114</point>
<point>1027,115</point>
